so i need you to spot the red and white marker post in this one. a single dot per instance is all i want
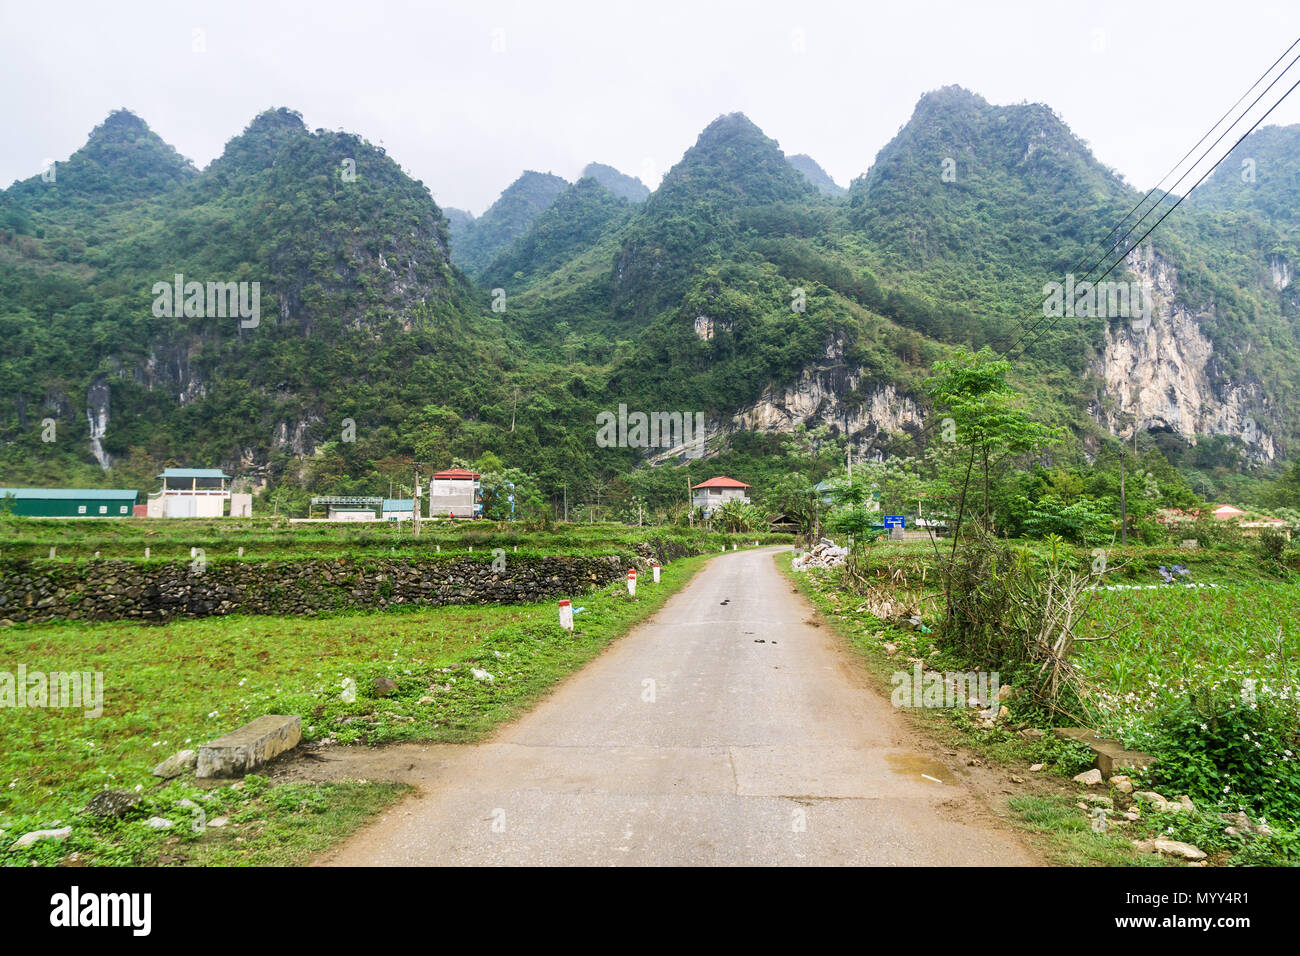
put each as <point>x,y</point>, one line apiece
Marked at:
<point>631,581</point>
<point>566,615</point>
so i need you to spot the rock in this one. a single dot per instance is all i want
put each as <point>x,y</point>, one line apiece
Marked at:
<point>158,823</point>
<point>1131,816</point>
<point>1186,803</point>
<point>1032,733</point>
<point>1015,779</point>
<point>1005,692</point>
<point>244,750</point>
<point>1034,768</point>
<point>426,700</point>
<point>111,804</point>
<point>349,694</point>
<point>891,649</point>
<point>482,675</point>
<point>1184,851</point>
<point>1150,796</point>
<point>1089,778</point>
<point>219,822</point>
<point>1098,800</point>
<point>27,839</point>
<point>1121,783</point>
<point>176,764</point>
<point>187,804</point>
<point>384,686</point>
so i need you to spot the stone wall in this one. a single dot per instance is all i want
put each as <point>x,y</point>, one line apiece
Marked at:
<point>157,591</point>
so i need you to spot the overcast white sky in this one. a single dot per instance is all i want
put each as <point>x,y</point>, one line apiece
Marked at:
<point>465,95</point>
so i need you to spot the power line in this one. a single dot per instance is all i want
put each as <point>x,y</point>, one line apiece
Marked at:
<point>1006,354</point>
<point>1203,138</point>
<point>1136,225</point>
<point>1180,199</point>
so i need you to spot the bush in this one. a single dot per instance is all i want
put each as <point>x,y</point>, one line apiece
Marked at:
<point>1231,753</point>
<point>1271,545</point>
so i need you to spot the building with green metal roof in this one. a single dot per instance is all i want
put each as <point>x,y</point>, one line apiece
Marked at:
<point>69,502</point>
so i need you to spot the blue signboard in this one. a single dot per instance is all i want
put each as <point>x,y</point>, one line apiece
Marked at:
<point>895,521</point>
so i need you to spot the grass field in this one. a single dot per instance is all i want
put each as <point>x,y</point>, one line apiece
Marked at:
<point>173,687</point>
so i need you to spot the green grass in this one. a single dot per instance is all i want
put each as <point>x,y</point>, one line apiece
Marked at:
<point>173,687</point>
<point>1071,840</point>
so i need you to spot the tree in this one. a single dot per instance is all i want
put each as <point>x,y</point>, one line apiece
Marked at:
<point>972,388</point>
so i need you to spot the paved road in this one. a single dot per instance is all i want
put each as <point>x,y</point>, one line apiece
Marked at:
<point>757,742</point>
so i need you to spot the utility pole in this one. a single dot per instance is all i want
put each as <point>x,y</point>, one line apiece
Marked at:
<point>566,502</point>
<point>415,511</point>
<point>1123,505</point>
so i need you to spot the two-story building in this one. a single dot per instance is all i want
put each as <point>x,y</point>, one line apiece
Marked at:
<point>714,493</point>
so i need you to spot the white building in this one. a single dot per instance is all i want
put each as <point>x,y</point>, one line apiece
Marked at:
<point>348,507</point>
<point>190,493</point>
<point>399,509</point>
<point>714,493</point>
<point>454,493</point>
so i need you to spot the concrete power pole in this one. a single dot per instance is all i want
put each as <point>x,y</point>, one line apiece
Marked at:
<point>415,511</point>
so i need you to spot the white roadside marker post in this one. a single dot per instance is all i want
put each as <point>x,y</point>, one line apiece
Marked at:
<point>566,615</point>
<point>146,554</point>
<point>631,582</point>
<point>654,569</point>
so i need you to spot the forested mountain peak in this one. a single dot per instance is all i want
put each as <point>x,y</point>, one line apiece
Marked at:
<point>962,166</point>
<point>818,177</point>
<point>571,225</point>
<point>732,162</point>
<point>122,159</point>
<point>261,141</point>
<point>506,219</point>
<point>620,184</point>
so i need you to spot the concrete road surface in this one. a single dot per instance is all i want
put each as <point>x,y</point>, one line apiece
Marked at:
<point>726,730</point>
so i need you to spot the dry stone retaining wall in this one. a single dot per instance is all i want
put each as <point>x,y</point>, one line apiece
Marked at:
<point>115,590</point>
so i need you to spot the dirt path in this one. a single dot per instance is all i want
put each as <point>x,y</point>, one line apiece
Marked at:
<point>727,729</point>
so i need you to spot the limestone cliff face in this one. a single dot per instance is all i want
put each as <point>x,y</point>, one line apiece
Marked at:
<point>829,392</point>
<point>1164,375</point>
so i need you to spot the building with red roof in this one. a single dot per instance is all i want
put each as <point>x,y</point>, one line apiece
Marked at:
<point>714,493</point>
<point>454,493</point>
